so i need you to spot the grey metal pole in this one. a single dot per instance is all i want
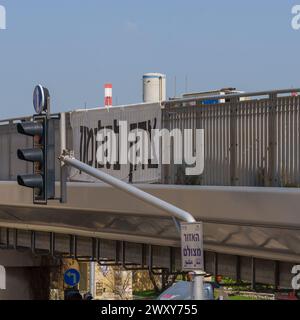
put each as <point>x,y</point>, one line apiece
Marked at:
<point>63,134</point>
<point>63,183</point>
<point>130,189</point>
<point>63,167</point>
<point>92,278</point>
<point>198,292</point>
<point>198,287</point>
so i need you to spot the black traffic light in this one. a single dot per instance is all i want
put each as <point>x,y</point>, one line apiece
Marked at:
<point>42,155</point>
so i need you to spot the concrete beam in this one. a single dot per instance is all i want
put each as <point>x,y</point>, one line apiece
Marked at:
<point>11,258</point>
<point>259,222</point>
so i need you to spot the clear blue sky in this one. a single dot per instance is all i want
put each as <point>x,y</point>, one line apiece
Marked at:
<point>73,47</point>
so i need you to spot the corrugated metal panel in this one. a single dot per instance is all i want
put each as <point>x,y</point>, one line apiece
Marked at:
<point>247,143</point>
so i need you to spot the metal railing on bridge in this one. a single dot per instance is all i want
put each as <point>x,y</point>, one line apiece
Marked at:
<point>251,139</point>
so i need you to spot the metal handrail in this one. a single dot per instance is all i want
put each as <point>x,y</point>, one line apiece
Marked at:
<point>195,99</point>
<point>15,119</point>
<point>230,96</point>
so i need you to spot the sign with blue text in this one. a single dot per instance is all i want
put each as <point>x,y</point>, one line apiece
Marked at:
<point>72,277</point>
<point>40,99</point>
<point>192,247</point>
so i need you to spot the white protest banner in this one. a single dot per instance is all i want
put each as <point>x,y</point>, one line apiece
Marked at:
<point>86,125</point>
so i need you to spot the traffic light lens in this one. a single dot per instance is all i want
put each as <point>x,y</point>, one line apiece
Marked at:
<point>20,154</point>
<point>20,181</point>
<point>31,181</point>
<point>30,128</point>
<point>31,155</point>
<point>42,155</point>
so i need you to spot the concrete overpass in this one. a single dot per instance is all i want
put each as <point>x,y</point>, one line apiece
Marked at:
<point>244,222</point>
<point>255,222</point>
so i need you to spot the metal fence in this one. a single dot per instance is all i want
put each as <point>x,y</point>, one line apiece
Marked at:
<point>250,140</point>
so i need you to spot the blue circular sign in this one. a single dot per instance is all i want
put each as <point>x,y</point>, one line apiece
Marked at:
<point>39,99</point>
<point>72,277</point>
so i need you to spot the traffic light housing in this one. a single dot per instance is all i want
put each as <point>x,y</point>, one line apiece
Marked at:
<point>42,155</point>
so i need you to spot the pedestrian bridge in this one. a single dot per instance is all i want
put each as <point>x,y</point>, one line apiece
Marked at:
<point>243,221</point>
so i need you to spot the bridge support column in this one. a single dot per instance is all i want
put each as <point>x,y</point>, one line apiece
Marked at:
<point>23,276</point>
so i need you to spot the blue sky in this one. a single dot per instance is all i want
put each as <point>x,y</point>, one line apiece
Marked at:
<point>73,47</point>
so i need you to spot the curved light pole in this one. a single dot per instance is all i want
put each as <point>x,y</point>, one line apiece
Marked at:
<point>198,289</point>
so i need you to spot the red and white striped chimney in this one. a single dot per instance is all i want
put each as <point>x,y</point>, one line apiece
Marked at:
<point>294,94</point>
<point>108,102</point>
